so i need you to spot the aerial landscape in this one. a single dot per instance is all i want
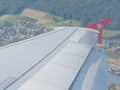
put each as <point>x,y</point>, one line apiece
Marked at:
<point>24,19</point>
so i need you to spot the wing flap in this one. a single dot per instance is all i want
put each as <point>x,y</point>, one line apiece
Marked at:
<point>63,68</point>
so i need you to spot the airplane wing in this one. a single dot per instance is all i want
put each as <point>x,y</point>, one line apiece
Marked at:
<point>64,59</point>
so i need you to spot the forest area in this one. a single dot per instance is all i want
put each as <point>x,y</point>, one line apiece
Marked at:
<point>81,10</point>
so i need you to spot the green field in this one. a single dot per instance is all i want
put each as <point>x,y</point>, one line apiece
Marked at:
<point>11,20</point>
<point>110,33</point>
<point>112,55</point>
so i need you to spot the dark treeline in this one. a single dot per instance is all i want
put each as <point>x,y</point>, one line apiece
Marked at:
<point>85,11</point>
<point>13,6</point>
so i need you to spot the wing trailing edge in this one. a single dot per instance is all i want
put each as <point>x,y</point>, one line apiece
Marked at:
<point>99,26</point>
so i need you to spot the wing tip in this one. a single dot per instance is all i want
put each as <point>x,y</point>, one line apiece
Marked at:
<point>99,25</point>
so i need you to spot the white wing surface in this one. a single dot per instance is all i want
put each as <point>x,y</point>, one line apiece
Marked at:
<point>64,59</point>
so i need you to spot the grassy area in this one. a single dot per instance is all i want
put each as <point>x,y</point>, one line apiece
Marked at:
<point>75,23</point>
<point>9,21</point>
<point>47,19</point>
<point>112,55</point>
<point>4,17</point>
<point>3,43</point>
<point>111,60</point>
<point>33,13</point>
<point>41,17</point>
<point>110,33</point>
<point>21,17</point>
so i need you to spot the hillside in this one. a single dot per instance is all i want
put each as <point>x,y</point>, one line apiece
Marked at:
<point>85,11</point>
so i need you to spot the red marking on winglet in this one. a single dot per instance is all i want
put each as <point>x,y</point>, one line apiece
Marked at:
<point>99,26</point>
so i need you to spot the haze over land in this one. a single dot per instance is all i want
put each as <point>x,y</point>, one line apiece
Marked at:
<point>81,10</point>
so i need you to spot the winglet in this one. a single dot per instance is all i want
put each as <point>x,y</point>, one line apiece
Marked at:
<point>99,26</point>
